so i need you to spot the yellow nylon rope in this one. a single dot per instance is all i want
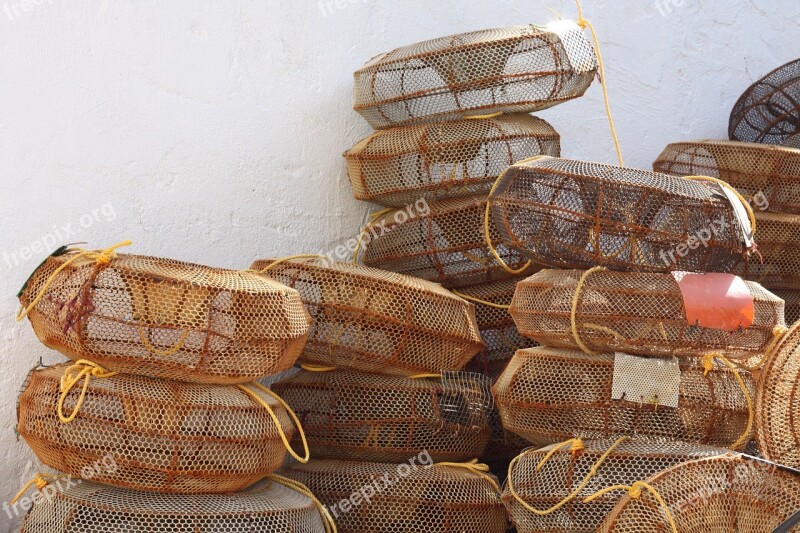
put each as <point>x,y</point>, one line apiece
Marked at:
<point>162,353</point>
<point>289,258</point>
<point>427,376</point>
<point>81,370</point>
<point>317,368</point>
<point>708,366</point>
<point>327,519</point>
<point>490,115</point>
<point>479,469</point>
<point>40,480</point>
<point>750,214</point>
<point>479,301</point>
<point>778,332</point>
<point>635,492</point>
<point>574,312</point>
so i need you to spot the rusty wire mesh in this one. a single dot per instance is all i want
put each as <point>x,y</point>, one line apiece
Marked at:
<point>164,318</point>
<point>374,320</point>
<point>408,498</point>
<point>769,110</point>
<point>90,507</point>
<point>633,312</point>
<point>398,166</point>
<point>164,436</point>
<point>549,395</point>
<point>730,492</point>
<point>513,69</point>
<point>574,214</point>
<point>778,263</point>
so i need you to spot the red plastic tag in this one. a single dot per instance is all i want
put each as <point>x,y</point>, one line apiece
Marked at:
<point>717,301</point>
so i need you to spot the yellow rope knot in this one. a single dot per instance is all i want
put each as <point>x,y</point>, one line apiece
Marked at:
<point>635,491</point>
<point>40,480</point>
<point>479,469</point>
<point>81,370</point>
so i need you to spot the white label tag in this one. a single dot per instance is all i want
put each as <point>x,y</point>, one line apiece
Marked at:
<point>646,380</point>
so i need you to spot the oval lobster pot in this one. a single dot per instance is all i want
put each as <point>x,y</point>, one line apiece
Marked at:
<point>518,69</point>
<point>387,419</point>
<point>641,314</point>
<point>412,498</point>
<point>778,264</point>
<point>163,436</point>
<point>769,110</point>
<point>446,245</point>
<point>548,395</point>
<point>574,214</point>
<point>769,176</point>
<point>168,319</point>
<point>791,297</point>
<point>724,494</point>
<point>560,476</point>
<point>374,320</point>
<point>399,166</point>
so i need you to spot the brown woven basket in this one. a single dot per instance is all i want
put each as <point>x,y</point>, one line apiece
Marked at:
<point>778,264</point>
<point>373,320</point>
<point>511,70</point>
<point>399,166</point>
<point>791,297</point>
<point>548,395</point>
<point>169,319</point>
<point>573,214</point>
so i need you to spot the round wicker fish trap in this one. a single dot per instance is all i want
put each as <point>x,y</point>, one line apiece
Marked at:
<point>445,246</point>
<point>548,395</point>
<point>511,70</point>
<point>565,475</point>
<point>769,110</point>
<point>374,320</point>
<point>412,498</point>
<point>724,494</point>
<point>93,508</point>
<point>768,175</point>
<point>398,166</point>
<point>387,419</point>
<point>160,435</point>
<point>634,312</point>
<point>778,266</point>
<point>164,318</point>
<point>792,299</point>
<point>574,214</point>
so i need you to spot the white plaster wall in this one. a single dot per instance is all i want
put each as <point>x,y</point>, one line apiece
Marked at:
<point>212,130</point>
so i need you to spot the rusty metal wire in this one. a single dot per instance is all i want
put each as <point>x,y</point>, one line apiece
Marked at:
<point>778,264</point>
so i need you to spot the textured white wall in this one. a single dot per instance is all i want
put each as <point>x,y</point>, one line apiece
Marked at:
<point>212,131</point>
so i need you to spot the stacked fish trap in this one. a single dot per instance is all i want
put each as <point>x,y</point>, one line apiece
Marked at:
<point>159,408</point>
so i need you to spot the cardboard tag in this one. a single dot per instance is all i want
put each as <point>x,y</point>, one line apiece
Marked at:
<point>716,300</point>
<point>646,380</point>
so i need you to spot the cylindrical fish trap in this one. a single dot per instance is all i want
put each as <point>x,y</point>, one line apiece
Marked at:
<point>767,176</point>
<point>574,214</point>
<point>412,497</point>
<point>89,507</point>
<point>546,488</point>
<point>517,69</point>
<point>769,110</point>
<point>778,263</point>
<point>399,166</point>
<point>648,314</point>
<point>446,245</point>
<point>164,318</point>
<point>374,320</point>
<point>724,494</point>
<point>549,395</point>
<point>791,298</point>
<point>387,419</point>
<point>159,435</point>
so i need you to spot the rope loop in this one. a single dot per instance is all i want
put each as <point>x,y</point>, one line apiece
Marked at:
<point>327,519</point>
<point>708,366</point>
<point>574,311</point>
<point>80,370</point>
<point>479,469</point>
<point>635,492</point>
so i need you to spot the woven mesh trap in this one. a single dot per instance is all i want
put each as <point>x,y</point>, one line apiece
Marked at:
<point>94,508</point>
<point>549,395</point>
<point>372,417</point>
<point>164,318</point>
<point>720,494</point>
<point>633,312</point>
<point>164,436</point>
<point>562,475</point>
<point>769,110</point>
<point>446,246</point>
<point>411,499</point>
<point>778,266</point>
<point>374,320</point>
<point>398,166</point>
<point>573,214</point>
<point>792,299</point>
<point>510,70</point>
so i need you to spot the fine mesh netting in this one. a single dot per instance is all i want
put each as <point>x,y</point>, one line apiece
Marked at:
<point>398,166</point>
<point>93,508</point>
<point>561,478</point>
<point>510,70</point>
<point>548,395</point>
<point>573,214</point>
<point>374,320</point>
<point>721,494</point>
<point>769,110</point>
<point>771,174</point>
<point>446,246</point>
<point>164,318</point>
<point>778,264</point>
<point>373,417</point>
<point>408,498</point>
<point>791,297</point>
<point>634,312</point>
<point>164,436</point>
